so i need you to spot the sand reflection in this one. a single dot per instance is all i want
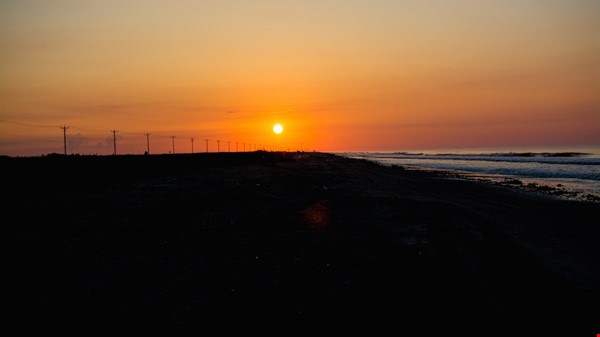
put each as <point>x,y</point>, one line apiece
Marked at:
<point>317,214</point>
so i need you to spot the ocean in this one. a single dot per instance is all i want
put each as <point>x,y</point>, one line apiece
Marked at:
<point>566,172</point>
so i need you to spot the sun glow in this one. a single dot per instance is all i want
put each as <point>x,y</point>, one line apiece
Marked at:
<point>277,128</point>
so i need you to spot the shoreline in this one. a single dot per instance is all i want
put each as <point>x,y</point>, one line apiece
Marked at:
<point>561,188</point>
<point>217,233</point>
<point>523,184</point>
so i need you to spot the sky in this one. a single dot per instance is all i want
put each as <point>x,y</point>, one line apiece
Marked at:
<point>339,75</point>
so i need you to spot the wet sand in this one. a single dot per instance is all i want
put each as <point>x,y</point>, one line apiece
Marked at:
<point>288,242</point>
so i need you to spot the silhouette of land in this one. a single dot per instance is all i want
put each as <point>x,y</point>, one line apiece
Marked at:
<point>276,242</point>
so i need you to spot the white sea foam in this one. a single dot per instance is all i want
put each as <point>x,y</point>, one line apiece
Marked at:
<point>576,171</point>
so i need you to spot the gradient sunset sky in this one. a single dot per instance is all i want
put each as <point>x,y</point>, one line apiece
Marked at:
<point>339,75</point>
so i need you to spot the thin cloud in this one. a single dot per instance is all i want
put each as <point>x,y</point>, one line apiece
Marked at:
<point>77,141</point>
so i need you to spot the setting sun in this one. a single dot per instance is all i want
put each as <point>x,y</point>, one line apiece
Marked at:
<point>277,128</point>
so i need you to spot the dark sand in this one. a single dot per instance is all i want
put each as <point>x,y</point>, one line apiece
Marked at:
<point>287,243</point>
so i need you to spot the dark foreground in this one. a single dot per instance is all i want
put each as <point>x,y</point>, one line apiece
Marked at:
<point>288,243</point>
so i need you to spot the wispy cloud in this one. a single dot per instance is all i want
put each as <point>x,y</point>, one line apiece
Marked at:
<point>120,107</point>
<point>77,141</point>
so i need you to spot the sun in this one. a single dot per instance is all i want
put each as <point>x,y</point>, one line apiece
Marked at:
<point>277,128</point>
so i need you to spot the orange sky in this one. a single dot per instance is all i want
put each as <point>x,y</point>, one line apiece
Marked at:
<point>340,75</point>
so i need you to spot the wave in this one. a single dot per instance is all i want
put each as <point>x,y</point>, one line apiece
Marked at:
<point>542,165</point>
<point>570,158</point>
<point>499,154</point>
<point>574,171</point>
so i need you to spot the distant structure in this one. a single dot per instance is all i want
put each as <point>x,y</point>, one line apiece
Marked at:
<point>147,142</point>
<point>115,141</point>
<point>207,145</point>
<point>173,140</point>
<point>64,128</point>
<point>192,140</point>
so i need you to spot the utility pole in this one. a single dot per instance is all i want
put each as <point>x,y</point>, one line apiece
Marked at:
<point>218,146</point>
<point>228,146</point>
<point>192,139</point>
<point>115,141</point>
<point>173,139</point>
<point>207,146</point>
<point>64,128</point>
<point>147,142</point>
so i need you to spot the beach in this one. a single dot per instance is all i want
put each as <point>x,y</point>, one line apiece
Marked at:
<point>298,241</point>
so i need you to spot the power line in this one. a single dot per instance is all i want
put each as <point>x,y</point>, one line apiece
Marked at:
<point>48,126</point>
<point>86,129</point>
<point>64,128</point>
<point>28,124</point>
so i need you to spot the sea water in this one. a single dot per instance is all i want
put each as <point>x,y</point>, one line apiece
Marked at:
<point>572,172</point>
